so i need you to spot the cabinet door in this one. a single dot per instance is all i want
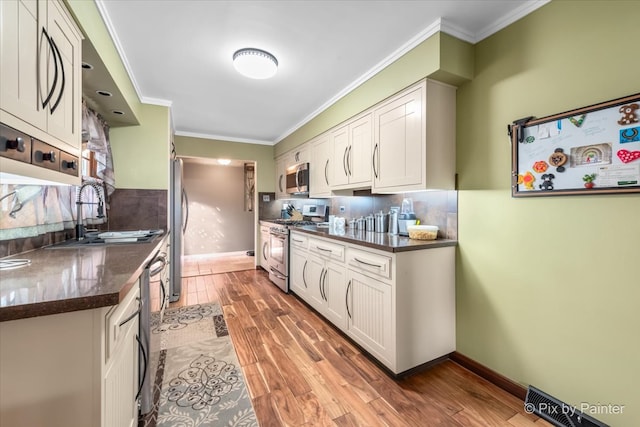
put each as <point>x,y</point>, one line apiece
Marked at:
<point>298,281</point>
<point>321,172</point>
<point>281,179</point>
<point>359,162</point>
<point>334,290</point>
<point>314,275</point>
<point>299,155</point>
<point>19,62</point>
<point>370,315</point>
<point>121,382</point>
<point>399,141</point>
<point>340,145</point>
<point>64,120</point>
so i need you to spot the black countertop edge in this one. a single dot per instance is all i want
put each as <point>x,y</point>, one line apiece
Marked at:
<point>393,243</point>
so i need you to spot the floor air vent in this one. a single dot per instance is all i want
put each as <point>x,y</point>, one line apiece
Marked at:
<point>557,412</point>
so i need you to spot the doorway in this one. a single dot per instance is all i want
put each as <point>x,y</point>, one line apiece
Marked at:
<point>220,233</point>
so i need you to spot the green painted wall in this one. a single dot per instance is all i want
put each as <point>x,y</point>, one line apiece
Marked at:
<point>452,65</point>
<point>547,292</point>
<point>214,149</point>
<point>141,153</point>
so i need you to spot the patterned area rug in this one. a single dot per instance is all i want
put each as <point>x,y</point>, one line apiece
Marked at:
<point>198,378</point>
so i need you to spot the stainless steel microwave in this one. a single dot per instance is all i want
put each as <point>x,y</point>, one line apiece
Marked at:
<point>298,179</point>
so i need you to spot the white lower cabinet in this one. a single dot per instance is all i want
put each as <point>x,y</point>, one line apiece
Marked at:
<point>74,369</point>
<point>398,306</point>
<point>120,381</point>
<point>298,272</point>
<point>370,311</point>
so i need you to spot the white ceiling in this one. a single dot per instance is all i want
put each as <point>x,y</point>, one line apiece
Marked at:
<point>178,53</point>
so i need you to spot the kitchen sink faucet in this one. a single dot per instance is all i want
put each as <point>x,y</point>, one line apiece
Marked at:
<point>79,203</point>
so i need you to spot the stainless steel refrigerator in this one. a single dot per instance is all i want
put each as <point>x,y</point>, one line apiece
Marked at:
<point>178,218</point>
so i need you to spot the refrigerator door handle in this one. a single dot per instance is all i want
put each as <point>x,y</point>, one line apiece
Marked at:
<point>185,204</point>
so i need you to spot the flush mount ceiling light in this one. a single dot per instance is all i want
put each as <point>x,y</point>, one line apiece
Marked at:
<point>255,63</point>
<point>224,161</point>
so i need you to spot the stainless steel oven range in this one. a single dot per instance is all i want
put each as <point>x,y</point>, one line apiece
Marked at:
<point>279,251</point>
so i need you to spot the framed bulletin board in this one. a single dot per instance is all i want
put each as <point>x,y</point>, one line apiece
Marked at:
<point>590,150</point>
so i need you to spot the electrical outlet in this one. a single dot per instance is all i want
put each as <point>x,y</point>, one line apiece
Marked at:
<point>342,209</point>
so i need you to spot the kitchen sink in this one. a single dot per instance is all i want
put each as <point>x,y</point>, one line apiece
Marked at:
<point>110,238</point>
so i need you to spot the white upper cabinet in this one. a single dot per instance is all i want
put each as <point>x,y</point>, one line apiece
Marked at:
<point>414,139</point>
<point>281,176</point>
<point>299,154</point>
<point>351,144</point>
<point>19,62</point>
<point>40,90</point>
<point>320,165</point>
<point>64,108</point>
<point>40,62</point>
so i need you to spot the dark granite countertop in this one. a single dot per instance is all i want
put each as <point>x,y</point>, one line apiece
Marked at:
<point>71,279</point>
<point>381,241</point>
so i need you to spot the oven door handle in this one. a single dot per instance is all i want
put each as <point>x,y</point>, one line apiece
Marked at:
<point>279,237</point>
<point>277,274</point>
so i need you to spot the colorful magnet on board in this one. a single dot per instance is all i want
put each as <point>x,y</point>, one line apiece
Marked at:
<point>540,166</point>
<point>527,179</point>
<point>629,115</point>
<point>558,159</point>
<point>529,139</point>
<point>630,135</point>
<point>577,122</point>
<point>628,156</point>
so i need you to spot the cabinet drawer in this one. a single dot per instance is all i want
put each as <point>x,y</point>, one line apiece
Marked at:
<point>118,314</point>
<point>300,241</point>
<point>368,262</point>
<point>326,249</point>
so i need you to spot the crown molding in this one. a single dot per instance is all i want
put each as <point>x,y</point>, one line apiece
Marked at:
<point>505,21</point>
<point>223,138</point>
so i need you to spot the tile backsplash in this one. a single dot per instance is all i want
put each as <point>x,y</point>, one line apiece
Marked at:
<point>431,207</point>
<point>127,209</point>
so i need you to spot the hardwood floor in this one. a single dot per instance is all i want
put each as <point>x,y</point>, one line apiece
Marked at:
<point>300,371</point>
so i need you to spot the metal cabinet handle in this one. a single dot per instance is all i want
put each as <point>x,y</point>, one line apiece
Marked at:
<point>62,82</point>
<point>366,263</point>
<point>296,240</point>
<point>264,251</point>
<point>375,171</point>
<point>349,161</point>
<point>326,165</point>
<point>304,269</point>
<point>280,184</point>
<point>128,319</point>
<point>324,249</point>
<point>144,357</point>
<point>346,299</point>
<point>344,161</point>
<point>324,284</point>
<point>55,69</point>
<point>320,283</point>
